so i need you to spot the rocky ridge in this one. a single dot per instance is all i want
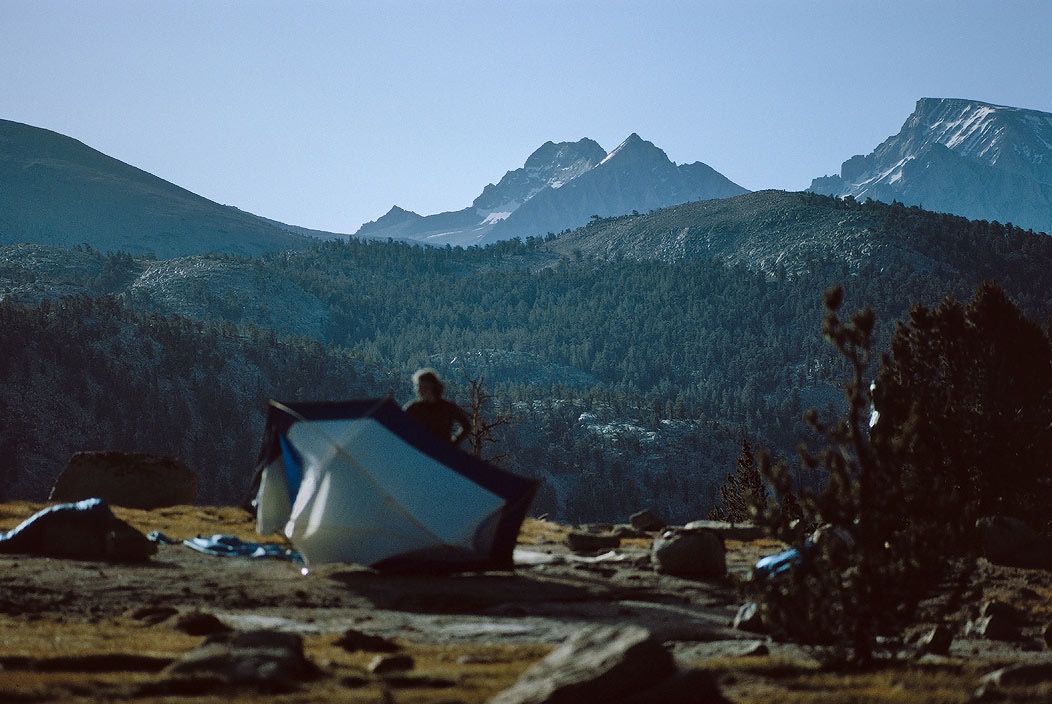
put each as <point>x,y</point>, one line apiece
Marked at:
<point>560,187</point>
<point>959,156</point>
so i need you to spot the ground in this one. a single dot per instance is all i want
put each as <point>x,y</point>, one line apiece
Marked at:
<point>79,631</point>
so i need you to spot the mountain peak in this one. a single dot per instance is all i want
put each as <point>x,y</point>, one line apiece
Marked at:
<point>551,153</point>
<point>559,187</point>
<point>550,166</point>
<point>636,148</point>
<point>397,213</point>
<point>960,156</point>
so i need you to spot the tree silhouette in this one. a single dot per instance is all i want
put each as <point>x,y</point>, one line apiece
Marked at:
<point>964,398</point>
<point>483,426</point>
<point>742,490</point>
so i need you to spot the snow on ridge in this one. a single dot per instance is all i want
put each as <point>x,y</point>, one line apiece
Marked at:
<point>495,217</point>
<point>613,153</point>
<point>889,175</point>
<point>983,126</point>
<point>975,124</point>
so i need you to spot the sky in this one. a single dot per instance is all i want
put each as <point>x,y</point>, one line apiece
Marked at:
<point>326,113</point>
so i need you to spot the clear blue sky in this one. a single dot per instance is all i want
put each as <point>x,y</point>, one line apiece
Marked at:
<point>325,113</point>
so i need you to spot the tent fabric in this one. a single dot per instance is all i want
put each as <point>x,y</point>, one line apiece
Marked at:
<point>361,481</point>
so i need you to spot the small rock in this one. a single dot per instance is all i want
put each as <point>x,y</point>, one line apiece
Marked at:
<point>994,627</point>
<point>383,664</point>
<point>199,623</point>
<point>755,649</point>
<point>1046,635</point>
<point>936,641</point>
<point>623,531</point>
<point>591,542</point>
<point>152,614</point>
<point>749,618</point>
<point>645,520</point>
<point>354,641</point>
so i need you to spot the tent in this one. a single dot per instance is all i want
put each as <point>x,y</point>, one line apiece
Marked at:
<point>363,482</point>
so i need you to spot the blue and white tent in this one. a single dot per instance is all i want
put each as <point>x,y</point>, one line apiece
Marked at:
<point>363,482</point>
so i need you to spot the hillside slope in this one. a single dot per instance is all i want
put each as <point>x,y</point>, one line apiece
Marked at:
<point>56,190</point>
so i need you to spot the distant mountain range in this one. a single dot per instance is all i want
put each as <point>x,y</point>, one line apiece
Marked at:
<point>982,161</point>
<point>957,156</point>
<point>560,187</point>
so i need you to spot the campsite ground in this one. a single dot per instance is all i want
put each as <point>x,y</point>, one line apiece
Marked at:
<point>78,631</point>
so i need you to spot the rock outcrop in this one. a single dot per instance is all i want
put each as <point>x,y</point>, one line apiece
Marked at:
<point>132,480</point>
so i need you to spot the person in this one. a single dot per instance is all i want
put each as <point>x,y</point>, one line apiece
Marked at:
<point>437,414</point>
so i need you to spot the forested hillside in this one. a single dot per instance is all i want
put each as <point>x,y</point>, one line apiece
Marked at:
<point>86,373</point>
<point>629,378</point>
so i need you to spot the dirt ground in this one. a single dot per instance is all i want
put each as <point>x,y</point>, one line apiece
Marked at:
<point>79,631</point>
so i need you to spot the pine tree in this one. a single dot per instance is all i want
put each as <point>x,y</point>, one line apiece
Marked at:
<point>742,490</point>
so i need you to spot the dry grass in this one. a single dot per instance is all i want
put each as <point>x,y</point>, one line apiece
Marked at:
<point>51,657</point>
<point>540,532</point>
<point>74,661</point>
<point>765,680</point>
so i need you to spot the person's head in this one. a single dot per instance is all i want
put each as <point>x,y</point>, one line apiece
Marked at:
<point>428,384</point>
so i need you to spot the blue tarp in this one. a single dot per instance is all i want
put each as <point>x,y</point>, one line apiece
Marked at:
<point>232,546</point>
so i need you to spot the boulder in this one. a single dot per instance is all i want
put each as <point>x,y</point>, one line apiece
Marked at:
<point>690,552</point>
<point>85,530</point>
<point>268,660</point>
<point>591,542</point>
<point>596,664</point>
<point>133,480</point>
<point>646,520</point>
